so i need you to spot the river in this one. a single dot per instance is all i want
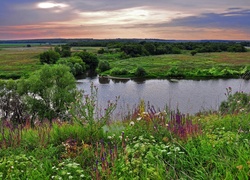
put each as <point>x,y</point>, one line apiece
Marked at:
<point>189,96</point>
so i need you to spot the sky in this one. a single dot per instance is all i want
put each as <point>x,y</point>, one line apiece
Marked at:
<point>108,19</point>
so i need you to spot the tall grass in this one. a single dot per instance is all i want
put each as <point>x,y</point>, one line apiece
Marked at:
<point>147,144</point>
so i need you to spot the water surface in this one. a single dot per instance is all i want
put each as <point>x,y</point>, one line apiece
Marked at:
<point>189,96</point>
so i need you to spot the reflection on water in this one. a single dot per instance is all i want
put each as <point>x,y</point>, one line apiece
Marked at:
<point>189,96</point>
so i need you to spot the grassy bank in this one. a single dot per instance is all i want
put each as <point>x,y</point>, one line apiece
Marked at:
<point>143,147</point>
<point>202,65</point>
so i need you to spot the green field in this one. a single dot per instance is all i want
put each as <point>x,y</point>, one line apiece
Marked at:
<point>18,61</point>
<point>184,65</point>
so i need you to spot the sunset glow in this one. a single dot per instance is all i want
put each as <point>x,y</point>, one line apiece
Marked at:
<point>128,19</point>
<point>47,5</point>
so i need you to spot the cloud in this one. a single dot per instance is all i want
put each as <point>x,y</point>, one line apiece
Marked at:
<point>130,18</point>
<point>48,5</point>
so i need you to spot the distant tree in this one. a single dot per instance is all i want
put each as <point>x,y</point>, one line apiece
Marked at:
<point>63,50</point>
<point>101,51</point>
<point>193,53</point>
<point>66,51</point>
<point>49,57</point>
<point>150,47</point>
<point>89,59</point>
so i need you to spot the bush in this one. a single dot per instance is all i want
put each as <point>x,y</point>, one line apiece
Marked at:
<point>140,72</point>
<point>89,59</point>
<point>235,103</point>
<point>103,66</point>
<point>118,71</point>
<point>49,57</point>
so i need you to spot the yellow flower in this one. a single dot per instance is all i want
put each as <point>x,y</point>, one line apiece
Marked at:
<point>240,167</point>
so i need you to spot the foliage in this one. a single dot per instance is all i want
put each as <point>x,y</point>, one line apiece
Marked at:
<point>77,66</point>
<point>48,91</point>
<point>49,57</point>
<point>202,65</point>
<point>193,53</point>
<point>63,50</point>
<point>86,112</point>
<point>11,106</point>
<point>20,167</point>
<point>235,103</point>
<point>118,71</point>
<point>103,66</point>
<point>89,59</point>
<point>140,72</point>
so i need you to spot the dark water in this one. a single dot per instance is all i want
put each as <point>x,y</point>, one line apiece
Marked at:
<point>189,96</point>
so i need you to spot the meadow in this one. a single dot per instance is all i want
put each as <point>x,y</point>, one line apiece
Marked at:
<point>17,60</point>
<point>202,65</point>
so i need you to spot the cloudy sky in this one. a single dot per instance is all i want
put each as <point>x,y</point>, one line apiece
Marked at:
<point>165,19</point>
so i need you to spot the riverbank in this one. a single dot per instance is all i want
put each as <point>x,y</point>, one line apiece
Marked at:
<point>198,148</point>
<point>182,66</point>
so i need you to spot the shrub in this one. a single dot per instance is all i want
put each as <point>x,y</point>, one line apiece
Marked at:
<point>118,71</point>
<point>103,66</point>
<point>140,72</point>
<point>235,103</point>
<point>49,57</point>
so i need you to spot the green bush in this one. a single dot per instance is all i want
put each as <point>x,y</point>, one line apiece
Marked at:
<point>103,66</point>
<point>140,72</point>
<point>49,57</point>
<point>118,71</point>
<point>235,103</point>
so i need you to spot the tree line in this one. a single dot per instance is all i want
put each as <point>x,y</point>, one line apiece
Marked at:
<point>145,48</point>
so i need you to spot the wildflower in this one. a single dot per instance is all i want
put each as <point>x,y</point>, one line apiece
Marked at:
<point>132,123</point>
<point>109,137</point>
<point>139,118</point>
<point>240,167</point>
<point>157,114</point>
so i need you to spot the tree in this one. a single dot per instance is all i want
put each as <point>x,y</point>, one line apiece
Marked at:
<point>77,66</point>
<point>103,66</point>
<point>48,92</point>
<point>89,58</point>
<point>193,53</point>
<point>150,47</point>
<point>11,106</point>
<point>49,57</point>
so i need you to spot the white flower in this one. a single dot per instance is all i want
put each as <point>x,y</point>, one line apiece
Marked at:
<point>109,137</point>
<point>139,118</point>
<point>132,123</point>
<point>157,114</point>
